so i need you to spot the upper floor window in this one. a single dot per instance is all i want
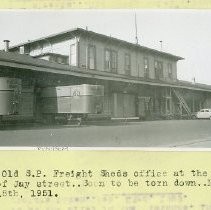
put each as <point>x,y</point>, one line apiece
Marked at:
<point>146,67</point>
<point>111,60</point>
<point>91,57</point>
<point>158,69</point>
<point>127,64</point>
<point>73,55</point>
<point>170,72</point>
<point>107,60</point>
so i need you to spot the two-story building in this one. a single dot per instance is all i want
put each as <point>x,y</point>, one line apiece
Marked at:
<point>138,81</point>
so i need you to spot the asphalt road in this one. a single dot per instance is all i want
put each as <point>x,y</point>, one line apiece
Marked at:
<point>173,133</point>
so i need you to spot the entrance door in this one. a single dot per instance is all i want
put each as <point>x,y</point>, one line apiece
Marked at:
<point>123,105</point>
<point>129,105</point>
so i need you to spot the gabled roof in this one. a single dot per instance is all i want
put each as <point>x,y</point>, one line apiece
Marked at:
<point>79,31</point>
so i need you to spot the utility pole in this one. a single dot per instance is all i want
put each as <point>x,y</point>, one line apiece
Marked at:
<point>136,37</point>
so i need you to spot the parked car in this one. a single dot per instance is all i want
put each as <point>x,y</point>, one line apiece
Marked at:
<point>204,114</point>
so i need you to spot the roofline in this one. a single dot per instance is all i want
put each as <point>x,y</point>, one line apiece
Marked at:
<point>80,31</point>
<point>26,62</point>
<point>48,53</point>
<point>43,38</point>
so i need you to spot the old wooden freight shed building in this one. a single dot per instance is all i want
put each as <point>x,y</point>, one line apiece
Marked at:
<point>138,81</point>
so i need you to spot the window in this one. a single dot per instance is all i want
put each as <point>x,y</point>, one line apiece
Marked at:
<point>21,49</point>
<point>111,60</point>
<point>91,57</point>
<point>158,69</point>
<point>146,67</point>
<point>107,60</point>
<point>170,74</point>
<point>127,64</point>
<point>73,55</point>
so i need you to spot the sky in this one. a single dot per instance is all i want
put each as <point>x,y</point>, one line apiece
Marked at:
<point>186,33</point>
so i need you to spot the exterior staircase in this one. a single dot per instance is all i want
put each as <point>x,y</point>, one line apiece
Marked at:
<point>182,102</point>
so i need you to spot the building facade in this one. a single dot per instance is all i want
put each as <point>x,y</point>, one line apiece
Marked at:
<point>92,51</point>
<point>138,81</point>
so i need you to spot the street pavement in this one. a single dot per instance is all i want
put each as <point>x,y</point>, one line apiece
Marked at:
<point>168,134</point>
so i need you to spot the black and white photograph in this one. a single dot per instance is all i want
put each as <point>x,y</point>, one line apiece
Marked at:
<point>105,78</point>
